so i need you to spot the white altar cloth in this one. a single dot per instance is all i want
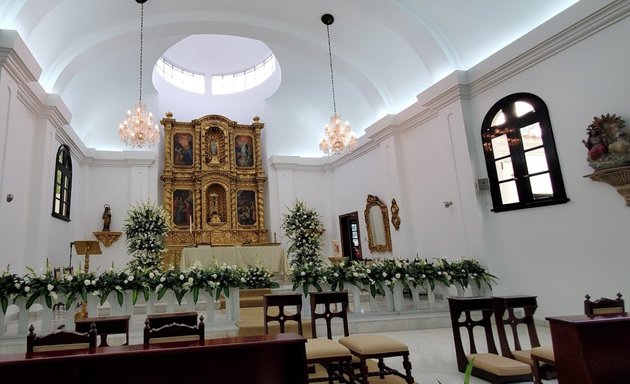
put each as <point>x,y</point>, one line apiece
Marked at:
<point>272,257</point>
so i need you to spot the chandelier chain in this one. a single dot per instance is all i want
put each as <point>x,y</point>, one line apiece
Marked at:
<point>332,78</point>
<point>141,41</point>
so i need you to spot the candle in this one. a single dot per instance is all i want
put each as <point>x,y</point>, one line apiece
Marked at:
<point>191,223</point>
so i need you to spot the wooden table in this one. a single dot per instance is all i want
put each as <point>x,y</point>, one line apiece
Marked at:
<point>263,359</point>
<point>591,349</point>
<point>106,325</point>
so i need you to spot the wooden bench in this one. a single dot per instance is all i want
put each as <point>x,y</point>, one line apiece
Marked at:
<point>158,320</point>
<point>106,325</point>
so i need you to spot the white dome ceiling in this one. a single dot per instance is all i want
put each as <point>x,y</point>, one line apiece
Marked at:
<point>385,52</point>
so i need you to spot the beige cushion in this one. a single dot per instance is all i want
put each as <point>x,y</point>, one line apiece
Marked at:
<point>606,311</point>
<point>544,352</point>
<point>499,365</point>
<point>171,339</point>
<point>60,347</point>
<point>523,356</point>
<point>324,348</point>
<point>373,344</point>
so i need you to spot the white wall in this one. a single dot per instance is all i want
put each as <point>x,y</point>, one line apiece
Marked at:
<point>559,253</point>
<point>562,252</point>
<point>425,155</point>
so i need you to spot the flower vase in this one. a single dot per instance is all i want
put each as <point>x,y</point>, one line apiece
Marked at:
<point>356,298</point>
<point>128,303</point>
<point>3,326</point>
<point>460,289</point>
<point>20,301</point>
<point>233,305</point>
<point>210,305</point>
<point>71,311</point>
<point>169,298</point>
<point>398,296</point>
<point>115,308</point>
<point>389,299</point>
<point>150,305</point>
<point>187,302</point>
<point>46,315</point>
<point>415,295</point>
<point>306,305</point>
<point>92,305</point>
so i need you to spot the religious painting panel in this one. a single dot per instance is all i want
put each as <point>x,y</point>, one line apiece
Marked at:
<point>183,208</point>
<point>182,149</point>
<point>244,150</point>
<point>246,207</point>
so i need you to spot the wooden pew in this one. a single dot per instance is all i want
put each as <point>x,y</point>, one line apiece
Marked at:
<point>269,359</point>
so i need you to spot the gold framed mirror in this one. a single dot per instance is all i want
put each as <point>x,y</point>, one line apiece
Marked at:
<point>377,223</point>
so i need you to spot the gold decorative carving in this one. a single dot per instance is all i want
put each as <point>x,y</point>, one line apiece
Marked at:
<point>377,223</point>
<point>214,179</point>
<point>107,237</point>
<point>395,218</point>
<point>618,177</point>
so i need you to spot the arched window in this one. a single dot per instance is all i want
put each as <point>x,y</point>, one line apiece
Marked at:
<point>63,184</point>
<point>520,152</point>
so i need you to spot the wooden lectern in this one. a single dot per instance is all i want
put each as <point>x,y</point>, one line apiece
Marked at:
<point>87,248</point>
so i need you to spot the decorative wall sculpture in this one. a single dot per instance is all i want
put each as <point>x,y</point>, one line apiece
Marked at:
<point>213,183</point>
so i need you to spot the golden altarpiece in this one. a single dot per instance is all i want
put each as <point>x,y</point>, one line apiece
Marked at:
<point>213,183</point>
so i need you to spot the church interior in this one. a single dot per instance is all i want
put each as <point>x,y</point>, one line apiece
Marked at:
<point>439,168</point>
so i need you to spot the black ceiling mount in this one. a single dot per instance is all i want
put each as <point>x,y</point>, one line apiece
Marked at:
<point>141,1</point>
<point>326,18</point>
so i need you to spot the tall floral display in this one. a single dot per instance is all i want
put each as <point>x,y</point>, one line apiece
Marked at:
<point>304,228</point>
<point>145,229</point>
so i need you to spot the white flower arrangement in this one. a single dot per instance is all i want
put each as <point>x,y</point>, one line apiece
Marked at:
<point>304,228</point>
<point>145,227</point>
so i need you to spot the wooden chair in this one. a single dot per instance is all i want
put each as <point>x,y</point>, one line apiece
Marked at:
<point>278,303</point>
<point>490,366</point>
<point>603,306</point>
<point>363,347</point>
<point>60,339</point>
<point>505,315</point>
<point>173,332</point>
<point>326,352</point>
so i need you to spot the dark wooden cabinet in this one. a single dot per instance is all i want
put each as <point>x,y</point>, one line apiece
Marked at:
<point>591,349</point>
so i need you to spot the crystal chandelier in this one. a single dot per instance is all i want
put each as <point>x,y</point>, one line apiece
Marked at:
<point>138,128</point>
<point>338,137</point>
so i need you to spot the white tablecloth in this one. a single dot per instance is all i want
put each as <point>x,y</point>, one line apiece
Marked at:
<point>271,257</point>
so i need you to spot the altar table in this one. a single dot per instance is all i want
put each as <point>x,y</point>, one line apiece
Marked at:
<point>591,349</point>
<point>271,257</point>
<point>263,359</point>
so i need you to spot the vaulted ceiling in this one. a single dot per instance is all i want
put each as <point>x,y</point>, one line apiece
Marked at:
<point>385,52</point>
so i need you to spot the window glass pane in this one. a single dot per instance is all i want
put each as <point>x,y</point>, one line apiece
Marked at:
<point>536,161</point>
<point>57,208</point>
<point>509,194</point>
<point>522,108</point>
<point>500,146</point>
<point>59,177</point>
<point>498,119</point>
<point>505,170</point>
<point>531,136</point>
<point>541,186</point>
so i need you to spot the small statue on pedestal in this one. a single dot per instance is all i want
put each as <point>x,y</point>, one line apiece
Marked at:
<point>107,217</point>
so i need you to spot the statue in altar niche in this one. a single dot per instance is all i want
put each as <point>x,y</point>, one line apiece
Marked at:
<point>214,208</point>
<point>107,217</point>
